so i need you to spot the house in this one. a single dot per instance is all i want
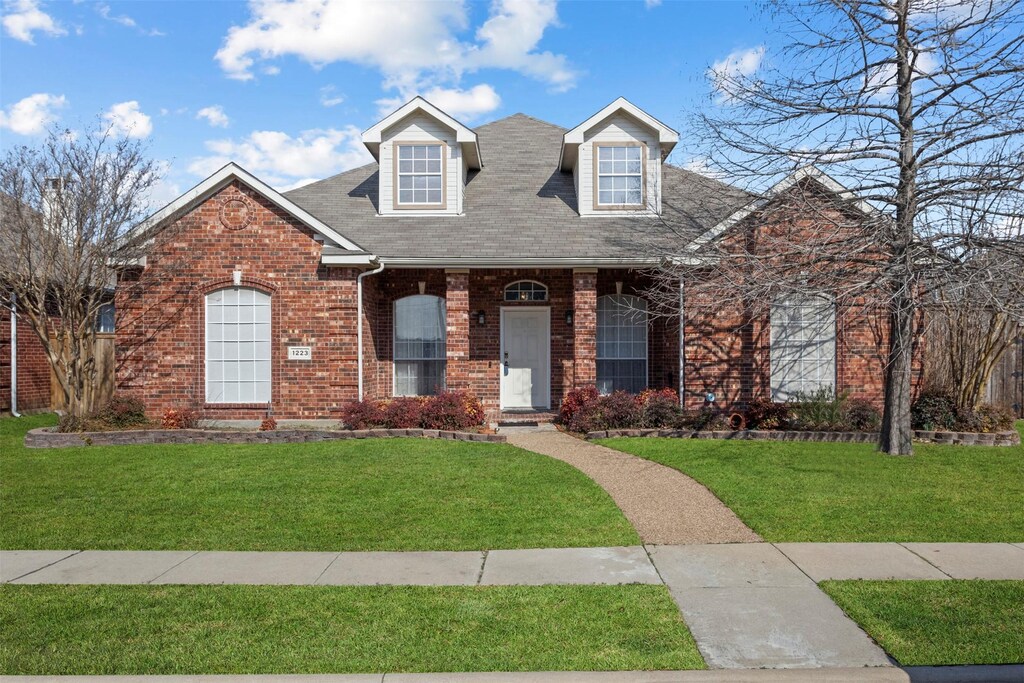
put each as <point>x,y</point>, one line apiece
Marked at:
<point>510,260</point>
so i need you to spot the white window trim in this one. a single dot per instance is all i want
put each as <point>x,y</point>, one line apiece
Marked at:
<point>647,337</point>
<point>505,299</point>
<point>394,345</point>
<point>596,162</point>
<point>206,349</point>
<point>776,381</point>
<point>400,206</point>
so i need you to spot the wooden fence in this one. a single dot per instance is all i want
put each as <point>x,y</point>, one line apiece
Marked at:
<point>1006,386</point>
<point>104,374</point>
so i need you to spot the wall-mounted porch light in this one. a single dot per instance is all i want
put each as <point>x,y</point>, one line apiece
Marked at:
<point>568,317</point>
<point>481,317</point>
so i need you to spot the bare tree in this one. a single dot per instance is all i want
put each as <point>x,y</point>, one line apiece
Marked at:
<point>914,106</point>
<point>68,208</point>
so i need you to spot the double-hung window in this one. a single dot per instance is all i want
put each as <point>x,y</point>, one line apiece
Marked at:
<point>619,175</point>
<point>803,346</point>
<point>621,344</point>
<point>420,175</point>
<point>237,346</point>
<point>419,345</point>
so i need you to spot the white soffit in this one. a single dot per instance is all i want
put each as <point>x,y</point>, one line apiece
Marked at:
<point>464,135</point>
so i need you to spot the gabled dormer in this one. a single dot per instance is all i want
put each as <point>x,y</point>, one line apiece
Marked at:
<point>424,156</point>
<point>615,157</point>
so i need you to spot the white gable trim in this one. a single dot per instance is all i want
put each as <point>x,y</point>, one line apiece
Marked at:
<point>233,171</point>
<point>465,136</point>
<point>805,172</point>
<point>667,137</point>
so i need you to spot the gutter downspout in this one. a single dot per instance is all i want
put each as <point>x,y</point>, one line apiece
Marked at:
<point>682,343</point>
<point>359,323</point>
<point>14,356</point>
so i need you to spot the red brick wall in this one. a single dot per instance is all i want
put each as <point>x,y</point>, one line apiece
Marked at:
<point>161,313</point>
<point>33,366</point>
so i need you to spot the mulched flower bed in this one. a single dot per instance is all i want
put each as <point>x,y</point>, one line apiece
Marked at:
<point>48,437</point>
<point>1010,438</point>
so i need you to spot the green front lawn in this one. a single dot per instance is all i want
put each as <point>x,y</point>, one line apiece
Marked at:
<point>387,494</point>
<point>52,630</point>
<point>788,491</point>
<point>938,622</point>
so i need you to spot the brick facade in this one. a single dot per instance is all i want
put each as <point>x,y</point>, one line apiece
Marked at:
<point>161,326</point>
<point>33,367</point>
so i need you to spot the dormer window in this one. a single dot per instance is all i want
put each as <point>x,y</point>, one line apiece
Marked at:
<point>619,172</point>
<point>420,173</point>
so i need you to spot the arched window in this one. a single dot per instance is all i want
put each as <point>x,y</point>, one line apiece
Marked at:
<point>803,345</point>
<point>419,345</point>
<point>526,290</point>
<point>621,343</point>
<point>237,346</point>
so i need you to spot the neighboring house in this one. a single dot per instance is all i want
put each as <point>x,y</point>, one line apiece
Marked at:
<point>507,260</point>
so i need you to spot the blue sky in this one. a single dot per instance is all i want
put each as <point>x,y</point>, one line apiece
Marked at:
<point>285,87</point>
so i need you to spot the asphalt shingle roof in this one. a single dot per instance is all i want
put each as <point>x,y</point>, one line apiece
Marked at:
<point>518,206</point>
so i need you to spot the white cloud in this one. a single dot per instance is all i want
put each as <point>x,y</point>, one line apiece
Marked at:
<point>214,115</point>
<point>651,3</point>
<point>24,17</point>
<point>33,114</point>
<point>415,45</point>
<point>737,66</point>
<point>283,160</point>
<point>125,118</point>
<point>462,104</point>
<point>330,97</point>
<point>881,83</point>
<point>103,9</point>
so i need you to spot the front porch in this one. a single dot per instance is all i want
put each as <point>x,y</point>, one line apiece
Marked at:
<point>519,339</point>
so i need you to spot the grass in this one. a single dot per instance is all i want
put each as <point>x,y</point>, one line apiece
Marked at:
<point>53,630</point>
<point>788,491</point>
<point>388,494</point>
<point>938,622</point>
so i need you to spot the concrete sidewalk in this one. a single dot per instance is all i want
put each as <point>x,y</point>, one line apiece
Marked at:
<point>818,561</point>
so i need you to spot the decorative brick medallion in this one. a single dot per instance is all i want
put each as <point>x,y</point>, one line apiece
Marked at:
<point>236,213</point>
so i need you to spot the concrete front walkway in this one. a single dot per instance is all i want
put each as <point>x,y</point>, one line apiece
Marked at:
<point>664,505</point>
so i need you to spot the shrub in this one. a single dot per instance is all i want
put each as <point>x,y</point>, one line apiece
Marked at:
<point>269,424</point>
<point>122,411</point>
<point>362,415</point>
<point>989,418</point>
<point>861,415</point>
<point>619,410</point>
<point>696,420</point>
<point>404,412</point>
<point>452,410</point>
<point>765,413</point>
<point>575,400</point>
<point>933,410</point>
<point>658,409</point>
<point>184,418</point>
<point>72,423</point>
<point>818,411</point>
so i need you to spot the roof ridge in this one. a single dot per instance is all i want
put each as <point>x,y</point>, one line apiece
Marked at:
<point>525,116</point>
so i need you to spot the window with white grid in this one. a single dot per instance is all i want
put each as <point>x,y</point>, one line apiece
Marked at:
<point>237,346</point>
<point>419,345</point>
<point>420,178</point>
<point>803,346</point>
<point>619,175</point>
<point>621,344</point>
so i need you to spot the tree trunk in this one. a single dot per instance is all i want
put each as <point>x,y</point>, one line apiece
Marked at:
<point>897,436</point>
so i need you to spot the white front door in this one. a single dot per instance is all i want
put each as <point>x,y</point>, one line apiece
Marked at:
<point>526,357</point>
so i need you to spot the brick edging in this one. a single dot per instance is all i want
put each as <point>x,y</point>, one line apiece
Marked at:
<point>45,437</point>
<point>1011,438</point>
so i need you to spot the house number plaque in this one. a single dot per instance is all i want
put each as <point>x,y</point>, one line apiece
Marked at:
<point>300,353</point>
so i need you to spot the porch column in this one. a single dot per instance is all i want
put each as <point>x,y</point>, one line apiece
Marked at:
<point>457,328</point>
<point>584,346</point>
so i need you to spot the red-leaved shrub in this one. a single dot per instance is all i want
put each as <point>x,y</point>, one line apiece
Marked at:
<point>403,412</point>
<point>183,418</point>
<point>122,411</point>
<point>452,410</point>
<point>575,400</point>
<point>362,415</point>
<point>657,408</point>
<point>269,424</point>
